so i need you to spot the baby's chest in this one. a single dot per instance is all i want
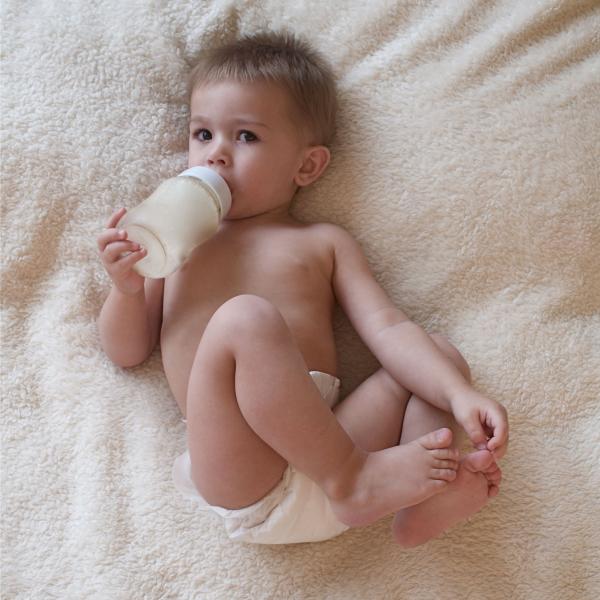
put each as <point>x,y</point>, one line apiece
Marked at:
<point>266,274</point>
<point>280,273</point>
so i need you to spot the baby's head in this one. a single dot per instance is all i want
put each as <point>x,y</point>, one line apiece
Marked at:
<point>263,115</point>
<point>286,61</point>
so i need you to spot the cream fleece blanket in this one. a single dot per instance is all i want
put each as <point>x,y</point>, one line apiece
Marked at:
<point>465,163</point>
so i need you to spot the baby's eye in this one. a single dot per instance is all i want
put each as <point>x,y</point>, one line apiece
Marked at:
<point>247,136</point>
<point>203,135</point>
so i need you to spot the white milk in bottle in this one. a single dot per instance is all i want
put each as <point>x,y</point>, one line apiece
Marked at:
<point>180,214</point>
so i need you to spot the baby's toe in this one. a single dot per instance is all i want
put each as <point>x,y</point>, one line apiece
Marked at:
<point>443,474</point>
<point>445,464</point>
<point>494,477</point>
<point>440,438</point>
<point>478,461</point>
<point>493,491</point>
<point>493,468</point>
<point>446,453</point>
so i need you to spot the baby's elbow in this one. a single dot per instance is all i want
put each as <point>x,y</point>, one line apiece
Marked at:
<point>123,362</point>
<point>136,359</point>
<point>125,358</point>
<point>127,363</point>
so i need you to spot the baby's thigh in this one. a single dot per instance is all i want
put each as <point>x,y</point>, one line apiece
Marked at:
<point>230,464</point>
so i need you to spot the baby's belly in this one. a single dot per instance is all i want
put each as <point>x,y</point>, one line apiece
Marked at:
<point>179,344</point>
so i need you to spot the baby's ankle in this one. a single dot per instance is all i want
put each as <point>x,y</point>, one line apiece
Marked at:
<point>343,484</point>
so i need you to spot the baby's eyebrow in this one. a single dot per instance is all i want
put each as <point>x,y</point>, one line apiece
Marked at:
<point>236,121</point>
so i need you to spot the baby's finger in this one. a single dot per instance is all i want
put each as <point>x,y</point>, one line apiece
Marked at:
<point>115,218</point>
<point>122,268</point>
<point>500,436</point>
<point>501,451</point>
<point>110,236</point>
<point>475,432</point>
<point>116,250</point>
<point>130,259</point>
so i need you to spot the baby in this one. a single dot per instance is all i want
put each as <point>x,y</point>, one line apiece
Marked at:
<point>245,329</point>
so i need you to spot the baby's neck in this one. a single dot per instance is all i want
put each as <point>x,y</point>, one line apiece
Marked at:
<point>275,217</point>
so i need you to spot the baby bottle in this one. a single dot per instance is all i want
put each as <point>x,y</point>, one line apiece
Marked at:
<point>180,214</point>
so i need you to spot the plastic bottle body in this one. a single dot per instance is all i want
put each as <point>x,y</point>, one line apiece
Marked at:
<point>180,214</point>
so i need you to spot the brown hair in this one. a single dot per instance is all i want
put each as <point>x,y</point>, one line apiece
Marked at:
<point>285,60</point>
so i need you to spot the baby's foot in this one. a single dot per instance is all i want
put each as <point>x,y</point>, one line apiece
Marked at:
<point>476,482</point>
<point>394,478</point>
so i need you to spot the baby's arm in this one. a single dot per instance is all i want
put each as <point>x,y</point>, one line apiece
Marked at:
<point>130,324</point>
<point>131,316</point>
<point>406,351</point>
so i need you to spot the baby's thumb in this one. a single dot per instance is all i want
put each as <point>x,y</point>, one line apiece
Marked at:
<point>476,434</point>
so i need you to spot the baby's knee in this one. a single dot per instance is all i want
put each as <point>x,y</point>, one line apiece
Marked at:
<point>453,354</point>
<point>246,314</point>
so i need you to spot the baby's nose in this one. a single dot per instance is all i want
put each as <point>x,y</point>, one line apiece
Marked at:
<point>217,160</point>
<point>218,155</point>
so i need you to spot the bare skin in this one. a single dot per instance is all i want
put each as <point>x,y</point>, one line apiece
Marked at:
<point>394,415</point>
<point>248,359</point>
<point>250,314</point>
<point>477,481</point>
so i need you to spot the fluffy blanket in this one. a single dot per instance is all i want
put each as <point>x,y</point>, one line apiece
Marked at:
<point>466,165</point>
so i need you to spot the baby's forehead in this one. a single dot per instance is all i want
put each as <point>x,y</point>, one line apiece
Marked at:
<point>249,92</point>
<point>268,99</point>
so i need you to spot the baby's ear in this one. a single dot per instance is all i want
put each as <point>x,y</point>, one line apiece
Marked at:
<point>316,159</point>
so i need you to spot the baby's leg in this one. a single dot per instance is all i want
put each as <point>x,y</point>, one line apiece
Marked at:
<point>380,413</point>
<point>477,480</point>
<point>252,407</point>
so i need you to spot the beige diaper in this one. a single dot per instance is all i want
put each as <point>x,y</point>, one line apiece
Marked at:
<point>296,510</point>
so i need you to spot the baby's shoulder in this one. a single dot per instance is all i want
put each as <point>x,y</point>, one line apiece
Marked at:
<point>327,233</point>
<point>338,242</point>
<point>334,239</point>
<point>319,245</point>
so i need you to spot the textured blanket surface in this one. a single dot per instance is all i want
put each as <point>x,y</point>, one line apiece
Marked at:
<point>466,163</point>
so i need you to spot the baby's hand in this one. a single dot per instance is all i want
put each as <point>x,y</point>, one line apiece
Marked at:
<point>484,421</point>
<point>112,244</point>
